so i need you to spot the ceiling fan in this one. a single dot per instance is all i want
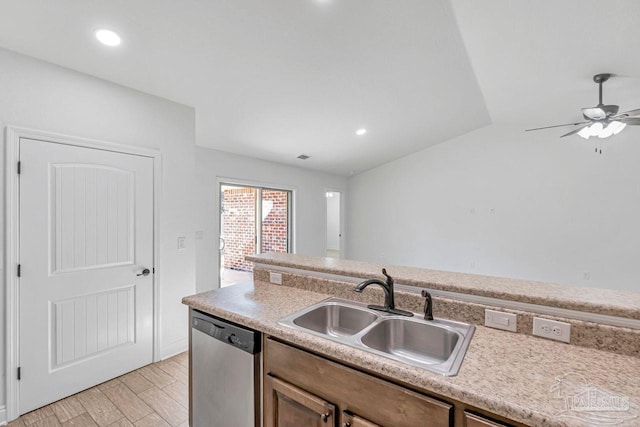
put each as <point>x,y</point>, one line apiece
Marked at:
<point>602,120</point>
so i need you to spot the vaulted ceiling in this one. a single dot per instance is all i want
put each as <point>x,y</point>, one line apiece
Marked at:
<point>277,78</point>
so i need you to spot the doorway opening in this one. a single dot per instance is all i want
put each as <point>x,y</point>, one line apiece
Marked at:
<point>253,220</point>
<point>334,233</point>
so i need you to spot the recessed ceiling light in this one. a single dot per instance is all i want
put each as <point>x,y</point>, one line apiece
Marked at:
<point>361,132</point>
<point>108,37</point>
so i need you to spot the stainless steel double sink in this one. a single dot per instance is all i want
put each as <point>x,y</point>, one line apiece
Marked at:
<point>436,345</point>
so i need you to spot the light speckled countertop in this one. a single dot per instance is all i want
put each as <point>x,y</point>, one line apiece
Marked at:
<point>509,374</point>
<point>603,301</point>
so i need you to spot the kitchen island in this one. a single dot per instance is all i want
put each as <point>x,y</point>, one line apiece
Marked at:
<point>508,377</point>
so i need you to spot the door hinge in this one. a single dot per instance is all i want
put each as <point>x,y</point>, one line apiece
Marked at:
<point>153,270</point>
<point>19,270</point>
<point>19,373</point>
<point>19,168</point>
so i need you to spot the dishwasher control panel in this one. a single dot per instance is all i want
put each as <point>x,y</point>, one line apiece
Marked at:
<point>238,336</point>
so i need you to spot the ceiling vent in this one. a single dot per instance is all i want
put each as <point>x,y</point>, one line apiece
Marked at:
<point>303,157</point>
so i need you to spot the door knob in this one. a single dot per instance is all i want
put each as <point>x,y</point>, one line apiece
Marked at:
<point>145,272</point>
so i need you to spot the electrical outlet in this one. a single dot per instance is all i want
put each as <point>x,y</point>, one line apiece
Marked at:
<point>275,278</point>
<point>551,329</point>
<point>500,320</point>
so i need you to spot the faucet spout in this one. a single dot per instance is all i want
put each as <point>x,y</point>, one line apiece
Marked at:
<point>389,300</point>
<point>366,283</point>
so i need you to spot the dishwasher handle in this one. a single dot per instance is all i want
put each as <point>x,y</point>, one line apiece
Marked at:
<point>206,326</point>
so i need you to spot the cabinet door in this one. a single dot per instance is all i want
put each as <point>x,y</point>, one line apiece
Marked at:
<point>289,406</point>
<point>473,420</point>
<point>351,420</point>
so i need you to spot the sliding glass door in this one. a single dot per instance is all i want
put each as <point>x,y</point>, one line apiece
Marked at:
<point>253,220</point>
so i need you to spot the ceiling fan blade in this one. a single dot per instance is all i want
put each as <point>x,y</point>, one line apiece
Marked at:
<point>631,113</point>
<point>573,132</point>
<point>633,121</point>
<point>557,126</point>
<point>594,113</point>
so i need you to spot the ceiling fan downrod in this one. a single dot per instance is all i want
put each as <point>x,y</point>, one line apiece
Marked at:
<point>601,78</point>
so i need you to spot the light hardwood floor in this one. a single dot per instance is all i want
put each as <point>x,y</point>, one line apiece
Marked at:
<point>156,395</point>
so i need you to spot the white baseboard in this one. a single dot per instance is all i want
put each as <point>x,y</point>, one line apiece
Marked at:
<point>176,347</point>
<point>3,415</point>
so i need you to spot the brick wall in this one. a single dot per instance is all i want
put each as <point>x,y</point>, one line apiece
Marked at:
<point>240,224</point>
<point>275,223</point>
<point>239,227</point>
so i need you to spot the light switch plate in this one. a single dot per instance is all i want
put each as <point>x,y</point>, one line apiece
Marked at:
<point>275,278</point>
<point>500,320</point>
<point>182,243</point>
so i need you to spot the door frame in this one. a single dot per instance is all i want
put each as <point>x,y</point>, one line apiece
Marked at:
<point>342,220</point>
<point>257,184</point>
<point>13,134</point>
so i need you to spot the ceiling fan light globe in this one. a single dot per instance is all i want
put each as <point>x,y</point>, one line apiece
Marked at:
<point>606,132</point>
<point>585,132</point>
<point>617,127</point>
<point>595,129</point>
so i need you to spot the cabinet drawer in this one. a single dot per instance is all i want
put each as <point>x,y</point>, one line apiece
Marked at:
<point>378,401</point>
<point>473,420</point>
<point>351,420</point>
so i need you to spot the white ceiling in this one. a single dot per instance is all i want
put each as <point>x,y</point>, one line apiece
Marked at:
<point>535,60</point>
<point>278,78</point>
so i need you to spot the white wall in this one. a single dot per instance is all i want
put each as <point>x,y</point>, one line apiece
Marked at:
<point>42,96</point>
<point>333,221</point>
<point>504,202</point>
<point>309,200</point>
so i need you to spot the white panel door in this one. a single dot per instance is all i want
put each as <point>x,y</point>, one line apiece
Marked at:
<point>86,235</point>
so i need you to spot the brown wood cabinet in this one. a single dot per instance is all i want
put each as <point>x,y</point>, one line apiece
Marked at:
<point>305,389</point>
<point>302,389</point>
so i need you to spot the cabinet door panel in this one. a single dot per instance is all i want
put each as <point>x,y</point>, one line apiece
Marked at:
<point>289,406</point>
<point>352,420</point>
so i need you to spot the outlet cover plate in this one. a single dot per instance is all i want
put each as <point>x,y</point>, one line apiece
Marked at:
<point>275,278</point>
<point>552,329</point>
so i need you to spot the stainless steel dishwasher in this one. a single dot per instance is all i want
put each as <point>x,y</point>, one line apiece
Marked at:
<point>224,373</point>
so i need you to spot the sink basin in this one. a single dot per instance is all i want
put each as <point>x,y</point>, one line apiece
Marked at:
<point>419,342</point>
<point>437,345</point>
<point>336,320</point>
